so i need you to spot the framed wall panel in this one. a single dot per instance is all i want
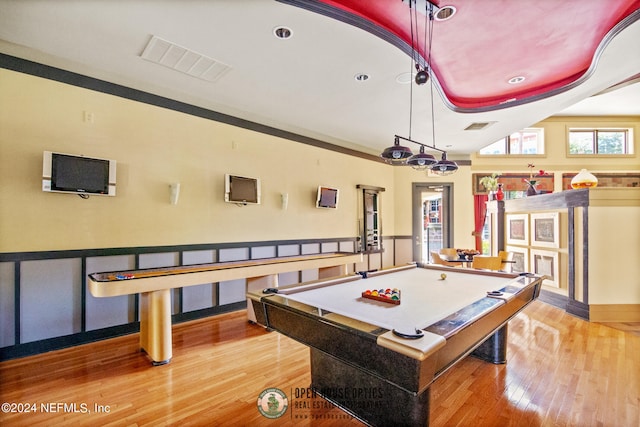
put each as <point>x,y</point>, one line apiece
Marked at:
<point>545,263</point>
<point>517,229</point>
<point>520,258</point>
<point>545,230</point>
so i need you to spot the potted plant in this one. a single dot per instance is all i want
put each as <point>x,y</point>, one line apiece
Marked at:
<point>490,183</point>
<point>531,182</point>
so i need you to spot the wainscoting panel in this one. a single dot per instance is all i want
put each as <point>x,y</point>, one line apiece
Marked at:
<point>155,260</point>
<point>232,291</point>
<point>263,252</point>
<point>310,248</point>
<point>329,247</point>
<point>347,246</point>
<point>7,306</point>
<point>233,254</point>
<point>375,261</point>
<point>200,296</point>
<point>289,278</point>
<point>308,275</point>
<point>106,312</point>
<point>50,298</point>
<point>288,250</point>
<point>403,250</point>
<point>45,304</point>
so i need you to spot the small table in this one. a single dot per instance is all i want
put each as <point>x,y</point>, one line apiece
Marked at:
<point>354,347</point>
<point>464,262</point>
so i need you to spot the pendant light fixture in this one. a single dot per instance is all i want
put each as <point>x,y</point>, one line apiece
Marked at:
<point>443,166</point>
<point>398,154</point>
<point>422,160</point>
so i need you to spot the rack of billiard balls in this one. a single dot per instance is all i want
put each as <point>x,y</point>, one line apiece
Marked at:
<point>390,296</point>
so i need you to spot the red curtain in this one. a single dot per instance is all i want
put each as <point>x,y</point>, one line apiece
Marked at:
<point>480,213</point>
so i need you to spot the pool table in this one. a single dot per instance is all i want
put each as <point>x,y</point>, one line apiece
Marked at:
<point>376,359</point>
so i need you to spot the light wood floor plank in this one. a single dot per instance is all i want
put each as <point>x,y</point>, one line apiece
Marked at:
<point>560,371</point>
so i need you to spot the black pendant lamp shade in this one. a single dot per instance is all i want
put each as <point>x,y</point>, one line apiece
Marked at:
<point>444,166</point>
<point>397,152</point>
<point>421,161</point>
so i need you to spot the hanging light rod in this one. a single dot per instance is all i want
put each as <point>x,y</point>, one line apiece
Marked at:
<point>441,13</point>
<point>401,155</point>
<point>430,147</point>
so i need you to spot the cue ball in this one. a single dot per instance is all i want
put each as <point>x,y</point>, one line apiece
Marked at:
<point>443,276</point>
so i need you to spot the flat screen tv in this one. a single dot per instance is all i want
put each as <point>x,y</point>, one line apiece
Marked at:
<point>241,190</point>
<point>68,173</point>
<point>327,197</point>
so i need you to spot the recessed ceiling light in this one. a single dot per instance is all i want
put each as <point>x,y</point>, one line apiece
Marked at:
<point>361,77</point>
<point>516,80</point>
<point>405,78</point>
<point>445,13</point>
<point>282,33</point>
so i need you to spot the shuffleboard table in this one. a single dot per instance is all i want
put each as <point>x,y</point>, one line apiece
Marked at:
<point>154,286</point>
<point>376,359</point>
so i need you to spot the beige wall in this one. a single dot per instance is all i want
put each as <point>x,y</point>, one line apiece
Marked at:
<point>155,147</point>
<point>614,238</point>
<point>463,221</point>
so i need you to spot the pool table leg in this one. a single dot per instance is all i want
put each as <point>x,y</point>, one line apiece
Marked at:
<point>155,325</point>
<point>365,395</point>
<point>494,348</point>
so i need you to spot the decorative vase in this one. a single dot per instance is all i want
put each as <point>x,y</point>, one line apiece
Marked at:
<point>584,179</point>
<point>499,193</point>
<point>531,188</point>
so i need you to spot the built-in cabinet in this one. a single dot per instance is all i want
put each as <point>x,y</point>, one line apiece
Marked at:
<point>584,240</point>
<point>370,224</point>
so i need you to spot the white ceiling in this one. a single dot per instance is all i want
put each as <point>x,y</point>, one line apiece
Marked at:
<point>623,101</point>
<point>305,85</point>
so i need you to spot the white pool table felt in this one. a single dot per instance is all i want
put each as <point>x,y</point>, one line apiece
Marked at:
<point>425,297</point>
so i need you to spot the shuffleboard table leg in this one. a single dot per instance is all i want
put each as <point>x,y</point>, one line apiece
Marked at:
<point>155,325</point>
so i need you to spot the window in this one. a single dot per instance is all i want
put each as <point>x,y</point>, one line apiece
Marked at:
<point>600,141</point>
<point>524,143</point>
<point>434,210</point>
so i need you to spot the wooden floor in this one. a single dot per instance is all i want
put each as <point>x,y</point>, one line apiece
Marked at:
<point>561,371</point>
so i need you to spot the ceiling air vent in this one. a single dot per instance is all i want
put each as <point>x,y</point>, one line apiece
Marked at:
<point>184,60</point>
<point>478,125</point>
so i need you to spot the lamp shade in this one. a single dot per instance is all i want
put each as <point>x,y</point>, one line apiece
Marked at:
<point>421,161</point>
<point>444,166</point>
<point>396,153</point>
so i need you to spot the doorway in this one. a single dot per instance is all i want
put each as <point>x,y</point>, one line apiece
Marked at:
<point>432,206</point>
